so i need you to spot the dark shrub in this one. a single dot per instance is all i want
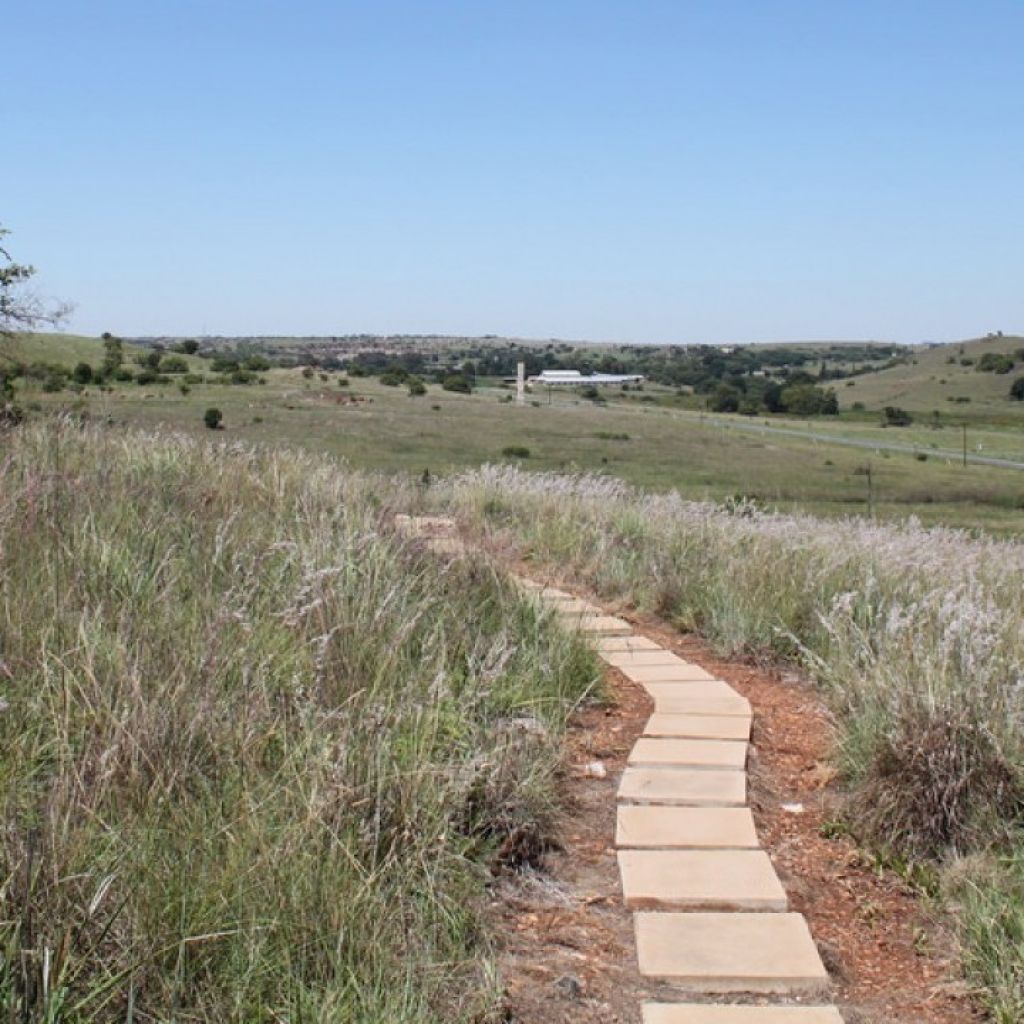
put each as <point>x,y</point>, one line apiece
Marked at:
<point>994,362</point>
<point>896,417</point>
<point>212,418</point>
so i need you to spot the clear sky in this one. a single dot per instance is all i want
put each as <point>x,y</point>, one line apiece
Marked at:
<point>634,170</point>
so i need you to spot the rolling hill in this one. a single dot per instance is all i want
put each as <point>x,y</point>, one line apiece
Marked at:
<point>936,377</point>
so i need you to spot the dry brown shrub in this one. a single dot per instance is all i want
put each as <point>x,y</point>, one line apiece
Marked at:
<point>939,783</point>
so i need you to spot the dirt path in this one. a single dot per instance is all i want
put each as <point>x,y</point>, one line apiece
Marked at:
<point>568,950</point>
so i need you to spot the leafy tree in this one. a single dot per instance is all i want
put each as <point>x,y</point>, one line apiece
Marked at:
<point>807,400</point>
<point>113,355</point>
<point>190,347</point>
<point>173,364</point>
<point>1017,390</point>
<point>725,399</point>
<point>416,386</point>
<point>772,397</point>
<point>83,373</point>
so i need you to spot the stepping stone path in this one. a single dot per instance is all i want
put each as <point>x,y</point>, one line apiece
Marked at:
<point>711,917</point>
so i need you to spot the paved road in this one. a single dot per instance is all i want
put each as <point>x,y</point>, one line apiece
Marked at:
<point>852,442</point>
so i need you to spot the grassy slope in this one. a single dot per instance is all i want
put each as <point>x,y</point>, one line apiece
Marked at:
<point>70,349</point>
<point>918,386</point>
<point>64,349</point>
<point>255,752</point>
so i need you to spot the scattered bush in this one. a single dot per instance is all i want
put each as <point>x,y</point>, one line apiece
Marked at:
<point>173,364</point>
<point>894,416</point>
<point>458,383</point>
<point>515,451</point>
<point>994,362</point>
<point>212,418</point>
<point>1017,390</point>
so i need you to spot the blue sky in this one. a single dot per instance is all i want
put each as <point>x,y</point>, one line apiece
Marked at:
<point>635,171</point>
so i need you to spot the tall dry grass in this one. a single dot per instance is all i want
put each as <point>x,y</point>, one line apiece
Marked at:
<point>914,634</point>
<point>256,751</point>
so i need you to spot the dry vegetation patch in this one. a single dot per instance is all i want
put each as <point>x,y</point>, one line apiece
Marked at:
<point>257,753</point>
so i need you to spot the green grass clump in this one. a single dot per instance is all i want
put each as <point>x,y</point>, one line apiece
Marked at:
<point>257,753</point>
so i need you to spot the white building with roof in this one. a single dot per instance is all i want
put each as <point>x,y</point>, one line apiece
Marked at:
<point>573,378</point>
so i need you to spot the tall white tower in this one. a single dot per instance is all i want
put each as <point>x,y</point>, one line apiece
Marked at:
<point>521,383</point>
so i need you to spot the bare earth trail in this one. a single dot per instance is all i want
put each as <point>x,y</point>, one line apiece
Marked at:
<point>696,882</point>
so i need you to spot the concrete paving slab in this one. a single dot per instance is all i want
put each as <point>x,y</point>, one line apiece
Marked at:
<point>651,827</point>
<point>573,606</point>
<point>673,704</point>
<point>717,952</point>
<point>598,625</point>
<point>700,880</point>
<point>709,727</point>
<point>636,659</point>
<point>684,672</point>
<point>705,1013</point>
<point>689,753</point>
<point>702,787</point>
<point>526,584</point>
<point>713,689</point>
<point>605,644</point>
<point>447,546</point>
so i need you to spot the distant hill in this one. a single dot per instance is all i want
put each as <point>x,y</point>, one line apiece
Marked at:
<point>935,376</point>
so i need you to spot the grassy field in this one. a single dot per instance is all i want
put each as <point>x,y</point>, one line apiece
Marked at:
<point>914,637</point>
<point>655,444</point>
<point>257,753</point>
